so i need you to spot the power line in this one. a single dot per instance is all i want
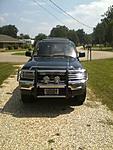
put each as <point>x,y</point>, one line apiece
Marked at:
<point>37,3</point>
<point>61,9</point>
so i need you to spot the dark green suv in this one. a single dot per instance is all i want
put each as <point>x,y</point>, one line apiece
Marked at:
<point>53,71</point>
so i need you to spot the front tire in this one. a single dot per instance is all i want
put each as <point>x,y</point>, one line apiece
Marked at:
<point>79,99</point>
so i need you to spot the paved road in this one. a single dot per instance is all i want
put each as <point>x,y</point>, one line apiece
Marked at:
<point>7,57</point>
<point>96,54</point>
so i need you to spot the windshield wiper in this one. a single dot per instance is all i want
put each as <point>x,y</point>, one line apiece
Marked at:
<point>61,56</point>
<point>58,55</point>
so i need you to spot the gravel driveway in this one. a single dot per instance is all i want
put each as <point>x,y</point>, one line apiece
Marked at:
<point>52,125</point>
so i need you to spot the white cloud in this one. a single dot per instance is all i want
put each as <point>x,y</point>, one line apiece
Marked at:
<point>35,2</point>
<point>29,12</point>
<point>89,14</point>
<point>43,27</point>
<point>26,20</point>
<point>3,18</point>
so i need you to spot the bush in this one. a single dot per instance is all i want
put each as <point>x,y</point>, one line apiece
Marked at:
<point>15,47</point>
<point>10,47</point>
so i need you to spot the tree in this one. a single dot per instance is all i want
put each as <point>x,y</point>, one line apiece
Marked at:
<point>88,39</point>
<point>99,33</point>
<point>108,20</point>
<point>109,36</point>
<point>24,36</point>
<point>59,31</point>
<point>72,35</point>
<point>39,37</point>
<point>108,16</point>
<point>81,36</point>
<point>103,32</point>
<point>10,30</point>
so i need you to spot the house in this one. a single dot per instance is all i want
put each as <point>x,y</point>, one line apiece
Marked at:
<point>8,41</point>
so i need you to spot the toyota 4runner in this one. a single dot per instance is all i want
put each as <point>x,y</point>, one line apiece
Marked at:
<point>53,71</point>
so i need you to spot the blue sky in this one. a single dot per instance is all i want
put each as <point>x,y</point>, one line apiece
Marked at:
<point>31,19</point>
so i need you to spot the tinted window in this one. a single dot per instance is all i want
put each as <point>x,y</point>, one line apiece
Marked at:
<point>56,48</point>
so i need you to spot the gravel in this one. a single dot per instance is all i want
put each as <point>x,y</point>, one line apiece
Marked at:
<point>52,124</point>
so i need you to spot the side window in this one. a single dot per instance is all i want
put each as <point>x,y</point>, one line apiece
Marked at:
<point>75,49</point>
<point>35,51</point>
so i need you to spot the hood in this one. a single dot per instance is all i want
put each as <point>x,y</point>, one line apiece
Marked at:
<point>53,62</point>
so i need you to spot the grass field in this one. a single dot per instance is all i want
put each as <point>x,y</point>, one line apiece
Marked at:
<point>110,49</point>
<point>21,53</point>
<point>101,79</point>
<point>12,50</point>
<point>6,69</point>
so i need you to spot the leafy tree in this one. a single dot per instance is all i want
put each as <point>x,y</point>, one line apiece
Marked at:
<point>109,31</point>
<point>103,32</point>
<point>108,16</point>
<point>72,35</point>
<point>59,31</point>
<point>39,37</point>
<point>99,33</point>
<point>88,38</point>
<point>108,20</point>
<point>24,36</point>
<point>10,30</point>
<point>81,36</point>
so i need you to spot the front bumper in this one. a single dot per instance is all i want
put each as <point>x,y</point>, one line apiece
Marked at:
<point>64,90</point>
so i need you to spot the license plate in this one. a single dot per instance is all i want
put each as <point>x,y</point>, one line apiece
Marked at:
<point>51,91</point>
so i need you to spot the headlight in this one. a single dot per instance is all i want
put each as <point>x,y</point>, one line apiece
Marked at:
<point>27,74</point>
<point>57,79</point>
<point>46,79</point>
<point>77,75</point>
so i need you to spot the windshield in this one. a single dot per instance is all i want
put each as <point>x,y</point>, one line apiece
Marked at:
<point>52,49</point>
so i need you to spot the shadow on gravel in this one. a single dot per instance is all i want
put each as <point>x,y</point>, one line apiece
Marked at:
<point>42,108</point>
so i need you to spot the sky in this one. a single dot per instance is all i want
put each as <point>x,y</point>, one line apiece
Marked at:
<point>30,17</point>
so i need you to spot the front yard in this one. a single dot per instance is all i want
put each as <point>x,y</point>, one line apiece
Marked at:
<point>101,80</point>
<point>6,69</point>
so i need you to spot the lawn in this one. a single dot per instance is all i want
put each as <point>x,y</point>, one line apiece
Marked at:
<point>101,80</point>
<point>110,49</point>
<point>21,53</point>
<point>6,69</point>
<point>13,50</point>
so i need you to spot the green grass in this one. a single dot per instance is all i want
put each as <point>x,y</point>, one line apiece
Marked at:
<point>101,80</point>
<point>6,69</point>
<point>13,50</point>
<point>102,49</point>
<point>19,53</point>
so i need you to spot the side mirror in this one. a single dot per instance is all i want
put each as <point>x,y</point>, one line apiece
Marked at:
<point>81,54</point>
<point>28,53</point>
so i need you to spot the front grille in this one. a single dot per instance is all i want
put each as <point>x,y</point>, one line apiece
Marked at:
<point>51,75</point>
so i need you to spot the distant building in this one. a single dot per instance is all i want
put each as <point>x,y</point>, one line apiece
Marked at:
<point>6,41</point>
<point>28,41</point>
